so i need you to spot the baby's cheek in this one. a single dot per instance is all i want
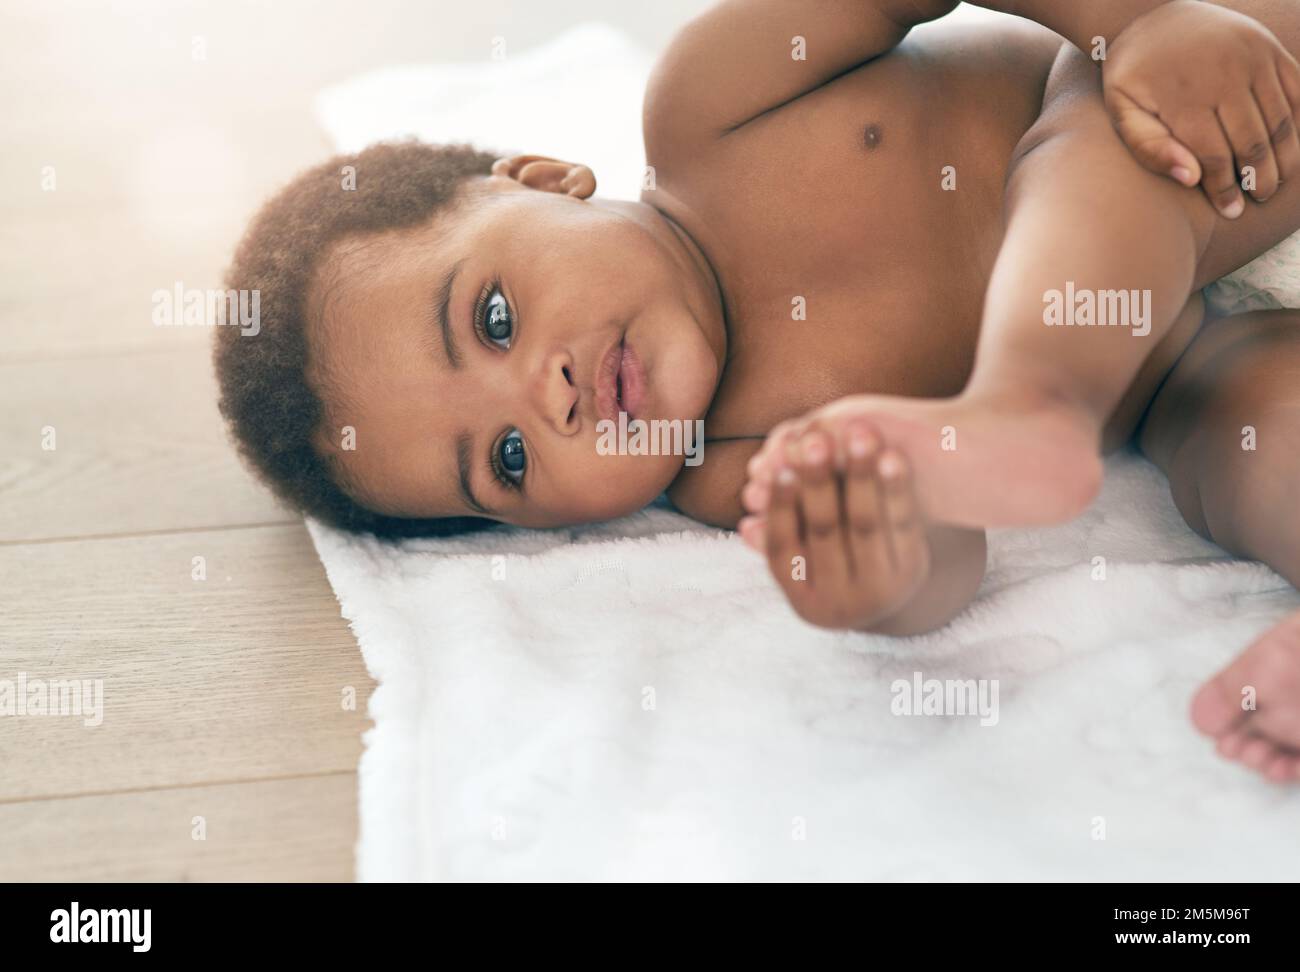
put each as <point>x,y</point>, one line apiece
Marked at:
<point>588,483</point>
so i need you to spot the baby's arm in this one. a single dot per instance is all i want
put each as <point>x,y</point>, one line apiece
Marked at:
<point>1080,22</point>
<point>1198,92</point>
<point>743,58</point>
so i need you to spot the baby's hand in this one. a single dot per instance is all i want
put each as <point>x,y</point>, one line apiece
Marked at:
<point>1191,87</point>
<point>841,529</point>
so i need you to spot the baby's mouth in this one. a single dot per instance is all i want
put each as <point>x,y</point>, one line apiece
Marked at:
<point>620,383</point>
<point>631,382</point>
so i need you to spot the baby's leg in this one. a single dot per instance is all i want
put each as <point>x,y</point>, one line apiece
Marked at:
<point>1226,430</point>
<point>1083,215</point>
<point>1020,446</point>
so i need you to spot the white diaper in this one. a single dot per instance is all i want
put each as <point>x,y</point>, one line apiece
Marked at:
<point>1268,283</point>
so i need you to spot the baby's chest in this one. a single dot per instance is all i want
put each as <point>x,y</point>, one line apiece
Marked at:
<point>801,340</point>
<point>856,272</point>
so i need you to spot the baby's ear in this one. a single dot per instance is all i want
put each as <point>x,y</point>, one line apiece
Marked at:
<point>547,174</point>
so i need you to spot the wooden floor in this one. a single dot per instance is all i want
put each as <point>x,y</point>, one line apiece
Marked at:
<point>136,139</point>
<point>223,698</point>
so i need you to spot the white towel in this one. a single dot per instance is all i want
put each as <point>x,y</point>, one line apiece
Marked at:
<point>1269,282</point>
<point>637,700</point>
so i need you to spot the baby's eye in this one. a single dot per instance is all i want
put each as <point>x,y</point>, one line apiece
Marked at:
<point>497,324</point>
<point>511,456</point>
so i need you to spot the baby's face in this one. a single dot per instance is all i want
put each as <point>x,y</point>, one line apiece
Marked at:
<point>475,356</point>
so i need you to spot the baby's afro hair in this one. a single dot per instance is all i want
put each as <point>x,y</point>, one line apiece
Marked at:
<point>265,397</point>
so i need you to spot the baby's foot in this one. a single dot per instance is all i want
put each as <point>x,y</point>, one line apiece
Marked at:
<point>842,534</point>
<point>1253,706</point>
<point>976,462</point>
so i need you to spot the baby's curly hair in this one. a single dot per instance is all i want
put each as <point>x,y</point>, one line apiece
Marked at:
<point>271,410</point>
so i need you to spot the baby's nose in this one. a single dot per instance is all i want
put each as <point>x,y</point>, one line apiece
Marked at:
<point>559,393</point>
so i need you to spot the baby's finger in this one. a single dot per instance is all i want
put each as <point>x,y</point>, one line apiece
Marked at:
<point>819,506</point>
<point>1256,166</point>
<point>1150,141</point>
<point>1279,118</point>
<point>1204,136</point>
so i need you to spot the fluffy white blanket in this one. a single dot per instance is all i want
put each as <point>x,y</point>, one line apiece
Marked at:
<point>637,700</point>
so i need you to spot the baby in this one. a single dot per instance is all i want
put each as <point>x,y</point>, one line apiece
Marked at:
<point>913,279</point>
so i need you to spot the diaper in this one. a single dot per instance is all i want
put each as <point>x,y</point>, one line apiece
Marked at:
<point>1268,283</point>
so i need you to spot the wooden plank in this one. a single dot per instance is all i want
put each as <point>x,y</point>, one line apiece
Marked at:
<point>244,675</point>
<point>139,447</point>
<point>273,830</point>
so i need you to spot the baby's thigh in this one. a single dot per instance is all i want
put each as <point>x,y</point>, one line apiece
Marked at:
<point>1124,421</point>
<point>1225,429</point>
<point>1073,105</point>
<point>1074,131</point>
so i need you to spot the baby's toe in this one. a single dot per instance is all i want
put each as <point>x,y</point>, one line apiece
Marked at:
<point>819,505</point>
<point>1257,753</point>
<point>1217,707</point>
<point>901,512</point>
<point>756,495</point>
<point>781,534</point>
<point>811,454</point>
<point>751,530</point>
<point>1231,743</point>
<point>1282,768</point>
<point>1214,712</point>
<point>863,503</point>
<point>771,456</point>
<point>1267,673</point>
